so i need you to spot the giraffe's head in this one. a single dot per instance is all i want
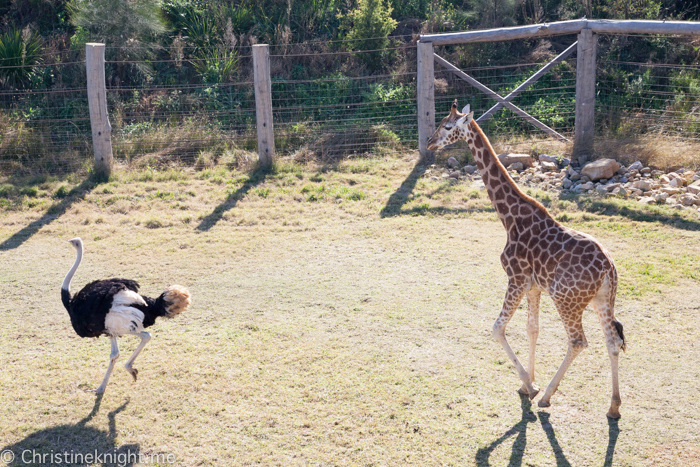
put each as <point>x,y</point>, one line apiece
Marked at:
<point>452,128</point>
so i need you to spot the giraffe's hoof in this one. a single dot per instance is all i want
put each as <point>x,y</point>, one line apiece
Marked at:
<point>523,390</point>
<point>133,371</point>
<point>614,414</point>
<point>543,403</point>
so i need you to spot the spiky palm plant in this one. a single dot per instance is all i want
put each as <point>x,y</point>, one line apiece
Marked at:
<point>20,53</point>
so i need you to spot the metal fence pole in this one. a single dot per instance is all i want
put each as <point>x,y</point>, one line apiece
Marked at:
<point>263,103</point>
<point>425,94</point>
<point>97,101</point>
<point>584,129</point>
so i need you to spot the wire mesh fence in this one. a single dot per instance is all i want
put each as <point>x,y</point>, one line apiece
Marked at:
<point>344,110</point>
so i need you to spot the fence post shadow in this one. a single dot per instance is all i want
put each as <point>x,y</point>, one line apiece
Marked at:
<point>400,196</point>
<point>257,177</point>
<point>75,439</point>
<point>52,213</point>
<point>518,449</point>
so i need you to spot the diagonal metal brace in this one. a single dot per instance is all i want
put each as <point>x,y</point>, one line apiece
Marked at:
<point>492,94</point>
<point>531,80</point>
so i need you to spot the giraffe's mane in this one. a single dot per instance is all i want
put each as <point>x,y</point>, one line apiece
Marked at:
<point>503,170</point>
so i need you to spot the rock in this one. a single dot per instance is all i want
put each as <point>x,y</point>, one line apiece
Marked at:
<point>575,177</point>
<point>622,192</point>
<point>676,182</point>
<point>567,183</point>
<point>508,158</point>
<point>548,166</point>
<point>643,185</point>
<point>670,191</point>
<point>602,168</point>
<point>517,166</point>
<point>586,186</point>
<point>687,200</point>
<point>612,186</point>
<point>660,197</point>
<point>469,169</point>
<point>647,200</point>
<point>453,163</point>
<point>645,170</point>
<point>479,185</point>
<point>636,166</point>
<point>564,162</point>
<point>454,175</point>
<point>445,175</point>
<point>601,190</point>
<point>694,188</point>
<point>547,158</point>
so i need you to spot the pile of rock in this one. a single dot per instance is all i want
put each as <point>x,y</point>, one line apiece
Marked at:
<point>603,177</point>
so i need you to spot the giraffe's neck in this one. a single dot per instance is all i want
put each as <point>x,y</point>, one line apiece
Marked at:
<point>510,203</point>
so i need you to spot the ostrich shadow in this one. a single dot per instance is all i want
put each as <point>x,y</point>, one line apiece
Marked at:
<point>55,211</point>
<point>75,440</point>
<point>520,431</point>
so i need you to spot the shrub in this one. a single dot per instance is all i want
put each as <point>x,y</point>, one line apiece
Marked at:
<point>21,50</point>
<point>369,25</point>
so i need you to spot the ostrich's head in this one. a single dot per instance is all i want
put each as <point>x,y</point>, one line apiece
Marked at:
<point>452,128</point>
<point>76,242</point>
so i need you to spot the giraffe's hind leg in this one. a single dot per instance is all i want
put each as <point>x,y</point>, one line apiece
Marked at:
<point>603,305</point>
<point>571,312</point>
<point>513,297</point>
<point>533,330</point>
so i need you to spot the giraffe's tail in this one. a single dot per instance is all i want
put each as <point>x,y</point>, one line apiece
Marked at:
<point>618,328</point>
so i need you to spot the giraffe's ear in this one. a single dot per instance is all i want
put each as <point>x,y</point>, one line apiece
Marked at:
<point>465,110</point>
<point>467,118</point>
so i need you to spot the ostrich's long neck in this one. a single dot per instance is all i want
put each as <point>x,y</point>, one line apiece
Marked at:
<point>504,194</point>
<point>69,276</point>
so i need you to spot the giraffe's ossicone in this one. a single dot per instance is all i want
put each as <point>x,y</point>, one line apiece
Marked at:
<point>541,255</point>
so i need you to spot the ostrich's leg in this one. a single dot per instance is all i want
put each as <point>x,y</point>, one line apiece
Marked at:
<point>113,356</point>
<point>145,337</point>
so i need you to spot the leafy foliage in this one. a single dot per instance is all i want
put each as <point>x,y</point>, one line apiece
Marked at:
<point>369,25</point>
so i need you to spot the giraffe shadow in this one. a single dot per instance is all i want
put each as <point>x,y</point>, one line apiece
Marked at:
<point>400,196</point>
<point>519,430</point>
<point>55,211</point>
<point>255,178</point>
<point>613,433</point>
<point>76,440</point>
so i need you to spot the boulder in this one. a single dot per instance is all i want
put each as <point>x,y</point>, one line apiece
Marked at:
<point>453,163</point>
<point>566,183</point>
<point>469,169</point>
<point>602,168</point>
<point>517,166</point>
<point>509,158</point>
<point>687,200</point>
<point>676,182</point>
<point>647,200</point>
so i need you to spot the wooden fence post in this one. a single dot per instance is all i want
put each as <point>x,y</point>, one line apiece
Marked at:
<point>425,95</point>
<point>263,104</point>
<point>97,102</point>
<point>584,129</point>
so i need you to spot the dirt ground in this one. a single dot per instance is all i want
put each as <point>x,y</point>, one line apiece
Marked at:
<point>335,331</point>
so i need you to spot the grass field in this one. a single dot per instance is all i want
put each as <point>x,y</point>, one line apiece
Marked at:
<point>341,316</point>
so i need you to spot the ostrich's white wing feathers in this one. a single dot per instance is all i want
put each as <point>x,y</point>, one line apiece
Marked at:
<point>122,317</point>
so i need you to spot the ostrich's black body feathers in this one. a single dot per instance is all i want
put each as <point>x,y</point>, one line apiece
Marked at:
<point>88,308</point>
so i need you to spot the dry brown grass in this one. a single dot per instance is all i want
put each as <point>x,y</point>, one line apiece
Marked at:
<point>658,151</point>
<point>327,330</point>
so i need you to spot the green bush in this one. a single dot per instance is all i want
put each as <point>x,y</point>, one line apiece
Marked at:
<point>369,26</point>
<point>19,54</point>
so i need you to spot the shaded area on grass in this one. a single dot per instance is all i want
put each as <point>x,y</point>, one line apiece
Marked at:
<point>255,178</point>
<point>74,443</point>
<point>641,214</point>
<point>52,213</point>
<point>520,429</point>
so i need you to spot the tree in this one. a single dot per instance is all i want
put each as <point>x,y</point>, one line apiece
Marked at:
<point>369,26</point>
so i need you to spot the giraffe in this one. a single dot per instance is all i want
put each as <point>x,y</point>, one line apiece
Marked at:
<point>541,255</point>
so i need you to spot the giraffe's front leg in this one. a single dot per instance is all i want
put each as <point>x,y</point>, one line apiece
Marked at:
<point>533,330</point>
<point>510,304</point>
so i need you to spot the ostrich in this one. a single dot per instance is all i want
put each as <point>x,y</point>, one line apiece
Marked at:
<point>114,307</point>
